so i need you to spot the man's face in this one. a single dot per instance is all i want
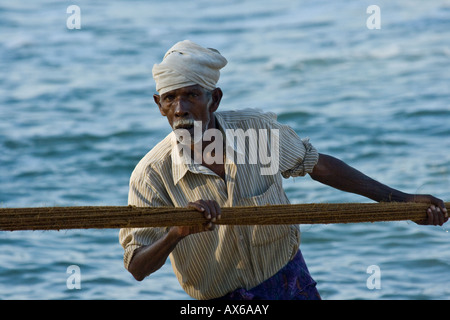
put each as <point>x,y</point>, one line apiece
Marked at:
<point>184,106</point>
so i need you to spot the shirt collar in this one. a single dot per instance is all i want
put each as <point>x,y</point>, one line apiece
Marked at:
<point>179,161</point>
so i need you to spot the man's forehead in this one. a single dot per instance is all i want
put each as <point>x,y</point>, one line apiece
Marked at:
<point>184,90</point>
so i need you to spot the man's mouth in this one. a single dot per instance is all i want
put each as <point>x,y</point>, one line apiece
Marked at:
<point>194,129</point>
<point>184,124</point>
<point>187,127</point>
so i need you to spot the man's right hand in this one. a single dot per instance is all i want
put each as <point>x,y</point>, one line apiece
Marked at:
<point>211,212</point>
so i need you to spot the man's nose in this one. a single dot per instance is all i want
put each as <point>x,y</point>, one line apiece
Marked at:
<point>181,108</point>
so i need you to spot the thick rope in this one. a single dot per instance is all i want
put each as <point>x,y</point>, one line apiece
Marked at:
<point>112,217</point>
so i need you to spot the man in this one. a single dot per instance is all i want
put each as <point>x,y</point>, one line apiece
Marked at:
<point>183,170</point>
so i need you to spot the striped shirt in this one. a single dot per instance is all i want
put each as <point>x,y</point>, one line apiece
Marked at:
<point>211,264</point>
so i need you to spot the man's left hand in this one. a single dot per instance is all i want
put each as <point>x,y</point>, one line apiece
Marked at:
<point>437,213</point>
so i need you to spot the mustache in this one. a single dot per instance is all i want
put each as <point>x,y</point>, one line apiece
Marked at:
<point>186,123</point>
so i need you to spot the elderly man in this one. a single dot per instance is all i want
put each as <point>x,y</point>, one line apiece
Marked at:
<point>183,170</point>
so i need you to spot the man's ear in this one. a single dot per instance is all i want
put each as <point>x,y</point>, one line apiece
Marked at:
<point>216,96</point>
<point>157,99</point>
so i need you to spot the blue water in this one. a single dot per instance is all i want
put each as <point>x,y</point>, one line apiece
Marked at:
<point>77,114</point>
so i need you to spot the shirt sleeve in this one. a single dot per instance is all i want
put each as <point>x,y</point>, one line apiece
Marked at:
<point>297,156</point>
<point>141,194</point>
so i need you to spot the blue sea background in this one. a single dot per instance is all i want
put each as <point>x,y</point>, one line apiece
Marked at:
<point>77,114</point>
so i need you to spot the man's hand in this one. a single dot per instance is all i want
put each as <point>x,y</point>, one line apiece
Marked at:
<point>437,213</point>
<point>211,212</point>
<point>337,174</point>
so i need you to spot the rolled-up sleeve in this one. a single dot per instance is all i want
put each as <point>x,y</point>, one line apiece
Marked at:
<point>297,156</point>
<point>141,194</point>
<point>304,164</point>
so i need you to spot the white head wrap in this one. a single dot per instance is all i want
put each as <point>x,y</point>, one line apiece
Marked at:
<point>187,64</point>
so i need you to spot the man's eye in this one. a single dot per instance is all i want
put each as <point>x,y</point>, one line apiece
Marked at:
<point>193,95</point>
<point>169,97</point>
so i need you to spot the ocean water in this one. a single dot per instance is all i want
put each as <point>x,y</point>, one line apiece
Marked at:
<point>77,114</point>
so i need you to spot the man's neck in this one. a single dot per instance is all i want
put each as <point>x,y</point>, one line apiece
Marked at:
<point>210,159</point>
<point>212,125</point>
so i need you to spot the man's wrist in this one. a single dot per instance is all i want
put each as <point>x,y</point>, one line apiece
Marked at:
<point>398,196</point>
<point>175,235</point>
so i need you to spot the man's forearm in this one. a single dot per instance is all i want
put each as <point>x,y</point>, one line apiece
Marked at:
<point>149,259</point>
<point>337,174</point>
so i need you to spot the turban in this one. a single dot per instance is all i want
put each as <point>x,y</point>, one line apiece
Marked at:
<point>187,64</point>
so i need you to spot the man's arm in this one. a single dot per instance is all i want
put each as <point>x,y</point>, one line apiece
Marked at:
<point>337,174</point>
<point>148,259</point>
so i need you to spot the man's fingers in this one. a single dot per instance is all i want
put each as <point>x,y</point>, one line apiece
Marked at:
<point>437,213</point>
<point>214,209</point>
<point>200,207</point>
<point>444,210</point>
<point>435,216</point>
<point>209,226</point>
<point>432,215</point>
<point>217,209</point>
<point>439,204</point>
<point>209,208</point>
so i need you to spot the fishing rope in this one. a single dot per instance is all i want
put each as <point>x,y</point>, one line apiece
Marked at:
<point>112,217</point>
